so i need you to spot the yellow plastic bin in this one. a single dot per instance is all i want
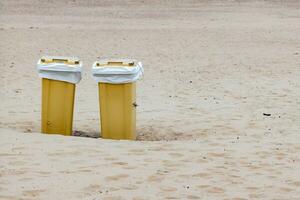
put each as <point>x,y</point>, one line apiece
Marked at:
<point>117,96</point>
<point>59,76</point>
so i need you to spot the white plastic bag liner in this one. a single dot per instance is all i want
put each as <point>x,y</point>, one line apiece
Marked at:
<point>60,71</point>
<point>116,74</point>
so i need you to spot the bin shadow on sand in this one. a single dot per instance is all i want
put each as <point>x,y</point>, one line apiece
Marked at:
<point>143,134</point>
<point>86,134</point>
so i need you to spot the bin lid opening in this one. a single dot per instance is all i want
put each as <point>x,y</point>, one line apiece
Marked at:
<point>69,61</point>
<point>116,63</point>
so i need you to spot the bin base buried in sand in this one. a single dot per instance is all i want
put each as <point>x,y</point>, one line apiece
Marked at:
<point>57,106</point>
<point>118,110</point>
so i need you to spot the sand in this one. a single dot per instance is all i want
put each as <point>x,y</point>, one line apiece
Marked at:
<point>212,69</point>
<point>36,166</point>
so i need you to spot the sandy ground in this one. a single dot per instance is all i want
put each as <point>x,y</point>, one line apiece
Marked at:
<point>35,166</point>
<point>212,68</point>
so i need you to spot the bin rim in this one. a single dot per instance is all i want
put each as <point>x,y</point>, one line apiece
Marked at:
<point>117,74</point>
<point>128,66</point>
<point>60,68</point>
<point>116,62</point>
<point>60,63</point>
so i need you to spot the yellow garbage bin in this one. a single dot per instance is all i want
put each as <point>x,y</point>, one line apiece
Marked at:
<point>59,76</point>
<point>117,96</point>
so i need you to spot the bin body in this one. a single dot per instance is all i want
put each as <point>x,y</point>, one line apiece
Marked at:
<point>118,110</point>
<point>57,106</point>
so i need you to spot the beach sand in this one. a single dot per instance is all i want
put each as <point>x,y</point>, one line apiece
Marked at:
<point>212,69</point>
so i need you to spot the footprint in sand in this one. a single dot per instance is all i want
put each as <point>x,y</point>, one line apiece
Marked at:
<point>110,158</point>
<point>176,155</point>
<point>184,176</point>
<point>8,155</point>
<point>169,163</point>
<point>92,188</point>
<point>171,197</point>
<point>112,198</point>
<point>216,190</point>
<point>252,188</point>
<point>25,179</point>
<point>116,177</point>
<point>18,149</point>
<point>137,153</point>
<point>119,163</point>
<point>113,189</point>
<point>295,183</point>
<point>202,160</point>
<point>129,167</point>
<point>130,187</point>
<point>192,197</point>
<point>217,154</point>
<point>85,170</point>
<point>255,195</point>
<point>32,193</point>
<point>43,172</point>
<point>285,189</point>
<point>138,198</point>
<point>203,186</point>
<point>14,172</point>
<point>155,178</point>
<point>202,175</point>
<point>168,189</point>
<point>16,163</point>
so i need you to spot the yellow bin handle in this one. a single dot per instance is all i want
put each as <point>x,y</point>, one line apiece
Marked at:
<point>116,63</point>
<point>58,60</point>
